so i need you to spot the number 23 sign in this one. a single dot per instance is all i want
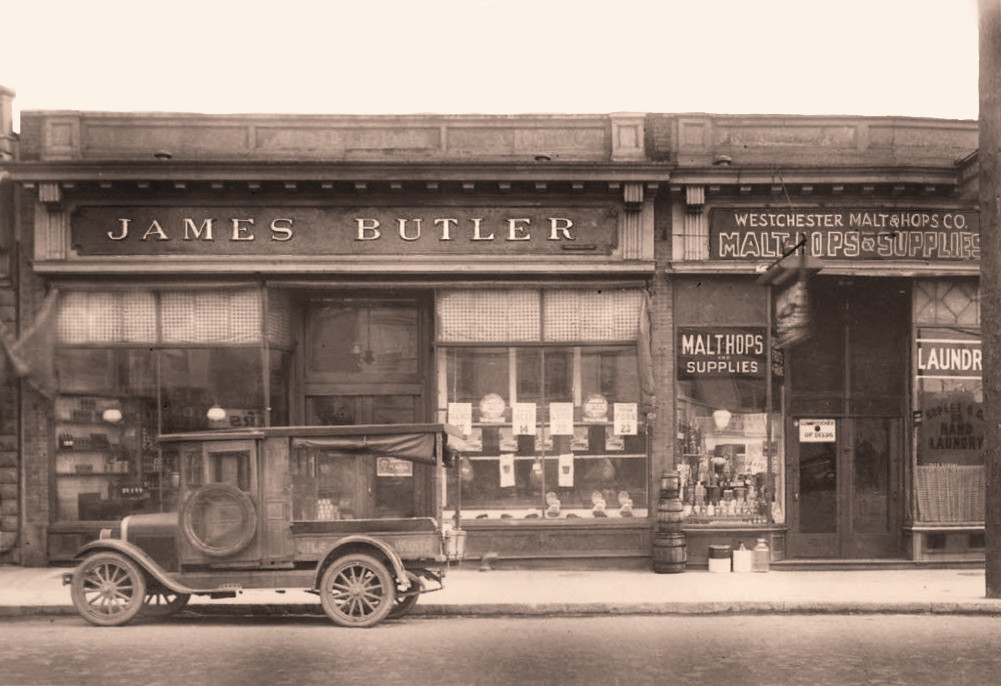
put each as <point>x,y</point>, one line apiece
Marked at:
<point>625,418</point>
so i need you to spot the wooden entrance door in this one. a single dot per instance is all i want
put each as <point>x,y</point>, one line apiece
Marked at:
<point>367,360</point>
<point>844,487</point>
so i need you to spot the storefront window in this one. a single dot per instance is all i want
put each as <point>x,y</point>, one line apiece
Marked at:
<point>729,459</point>
<point>121,384</point>
<point>948,366</point>
<point>728,438</point>
<point>552,429</point>
<point>571,458</point>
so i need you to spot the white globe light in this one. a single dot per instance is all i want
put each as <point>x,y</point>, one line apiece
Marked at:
<point>112,415</point>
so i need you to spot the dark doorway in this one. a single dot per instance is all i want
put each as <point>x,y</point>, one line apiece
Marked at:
<point>846,398</point>
<point>366,360</point>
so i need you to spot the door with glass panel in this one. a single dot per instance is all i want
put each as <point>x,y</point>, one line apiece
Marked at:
<point>365,360</point>
<point>844,490</point>
<point>847,387</point>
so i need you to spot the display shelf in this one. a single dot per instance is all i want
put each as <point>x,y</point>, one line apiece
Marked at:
<point>100,456</point>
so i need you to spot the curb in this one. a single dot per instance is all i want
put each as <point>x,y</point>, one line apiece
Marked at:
<point>572,609</point>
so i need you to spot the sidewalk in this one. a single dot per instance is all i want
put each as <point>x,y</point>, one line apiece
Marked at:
<point>469,592</point>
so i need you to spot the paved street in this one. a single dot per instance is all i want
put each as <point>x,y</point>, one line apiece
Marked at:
<point>716,650</point>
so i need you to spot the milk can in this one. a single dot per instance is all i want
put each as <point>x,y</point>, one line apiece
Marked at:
<point>760,556</point>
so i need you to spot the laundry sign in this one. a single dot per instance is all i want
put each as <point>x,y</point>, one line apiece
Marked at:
<point>817,431</point>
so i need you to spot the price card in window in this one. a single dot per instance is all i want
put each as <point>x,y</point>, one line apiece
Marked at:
<point>625,418</point>
<point>523,419</point>
<point>561,419</point>
<point>460,415</point>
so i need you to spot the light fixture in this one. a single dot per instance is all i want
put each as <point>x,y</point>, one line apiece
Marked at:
<point>721,418</point>
<point>112,415</point>
<point>216,413</point>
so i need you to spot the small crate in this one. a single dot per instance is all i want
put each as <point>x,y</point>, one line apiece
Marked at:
<point>455,544</point>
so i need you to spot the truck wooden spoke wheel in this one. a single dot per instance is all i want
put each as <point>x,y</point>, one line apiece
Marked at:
<point>108,589</point>
<point>357,591</point>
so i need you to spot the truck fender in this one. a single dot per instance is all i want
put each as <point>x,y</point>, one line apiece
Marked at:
<point>399,571</point>
<point>137,555</point>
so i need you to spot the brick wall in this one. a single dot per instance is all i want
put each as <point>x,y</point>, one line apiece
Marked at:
<point>36,416</point>
<point>662,334</point>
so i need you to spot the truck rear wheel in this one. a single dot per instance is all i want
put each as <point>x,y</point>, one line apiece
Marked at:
<point>357,591</point>
<point>108,589</point>
<point>162,602</point>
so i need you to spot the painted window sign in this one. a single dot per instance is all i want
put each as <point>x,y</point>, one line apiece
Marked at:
<point>949,359</point>
<point>720,351</point>
<point>896,234</point>
<point>952,427</point>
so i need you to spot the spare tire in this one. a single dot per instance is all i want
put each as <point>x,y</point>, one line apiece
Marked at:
<point>219,519</point>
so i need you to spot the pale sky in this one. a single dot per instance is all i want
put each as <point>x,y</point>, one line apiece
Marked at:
<point>863,57</point>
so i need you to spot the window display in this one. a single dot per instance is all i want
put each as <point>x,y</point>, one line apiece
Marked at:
<point>729,439</point>
<point>552,428</point>
<point>121,385</point>
<point>729,472</point>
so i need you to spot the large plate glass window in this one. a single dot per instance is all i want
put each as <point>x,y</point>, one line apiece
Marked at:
<point>134,363</point>
<point>728,438</point>
<point>948,367</point>
<point>545,385</point>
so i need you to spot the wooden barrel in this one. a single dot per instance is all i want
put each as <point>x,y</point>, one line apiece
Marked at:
<point>669,553</point>
<point>670,511</point>
<point>670,485</point>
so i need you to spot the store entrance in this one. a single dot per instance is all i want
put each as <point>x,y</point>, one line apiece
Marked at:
<point>843,495</point>
<point>846,395</point>
<point>366,359</point>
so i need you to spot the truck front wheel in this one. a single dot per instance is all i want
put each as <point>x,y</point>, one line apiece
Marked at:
<point>108,589</point>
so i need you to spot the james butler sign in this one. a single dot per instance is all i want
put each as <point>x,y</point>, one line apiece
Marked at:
<point>235,230</point>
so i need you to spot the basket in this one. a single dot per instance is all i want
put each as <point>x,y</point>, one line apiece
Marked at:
<point>949,493</point>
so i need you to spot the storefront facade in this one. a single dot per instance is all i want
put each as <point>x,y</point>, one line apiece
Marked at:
<point>824,278</point>
<point>201,273</point>
<point>783,310</point>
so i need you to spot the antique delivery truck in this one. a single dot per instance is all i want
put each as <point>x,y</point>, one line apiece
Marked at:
<point>350,513</point>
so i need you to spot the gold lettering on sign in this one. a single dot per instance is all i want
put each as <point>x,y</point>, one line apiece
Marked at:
<point>476,230</point>
<point>368,229</point>
<point>560,226</point>
<point>403,229</point>
<point>206,229</point>
<point>517,229</point>
<point>409,229</point>
<point>446,224</point>
<point>281,229</point>
<point>156,230</point>
<point>125,231</point>
<point>240,230</point>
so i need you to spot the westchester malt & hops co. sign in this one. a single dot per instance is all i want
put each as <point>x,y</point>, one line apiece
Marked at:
<point>752,234</point>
